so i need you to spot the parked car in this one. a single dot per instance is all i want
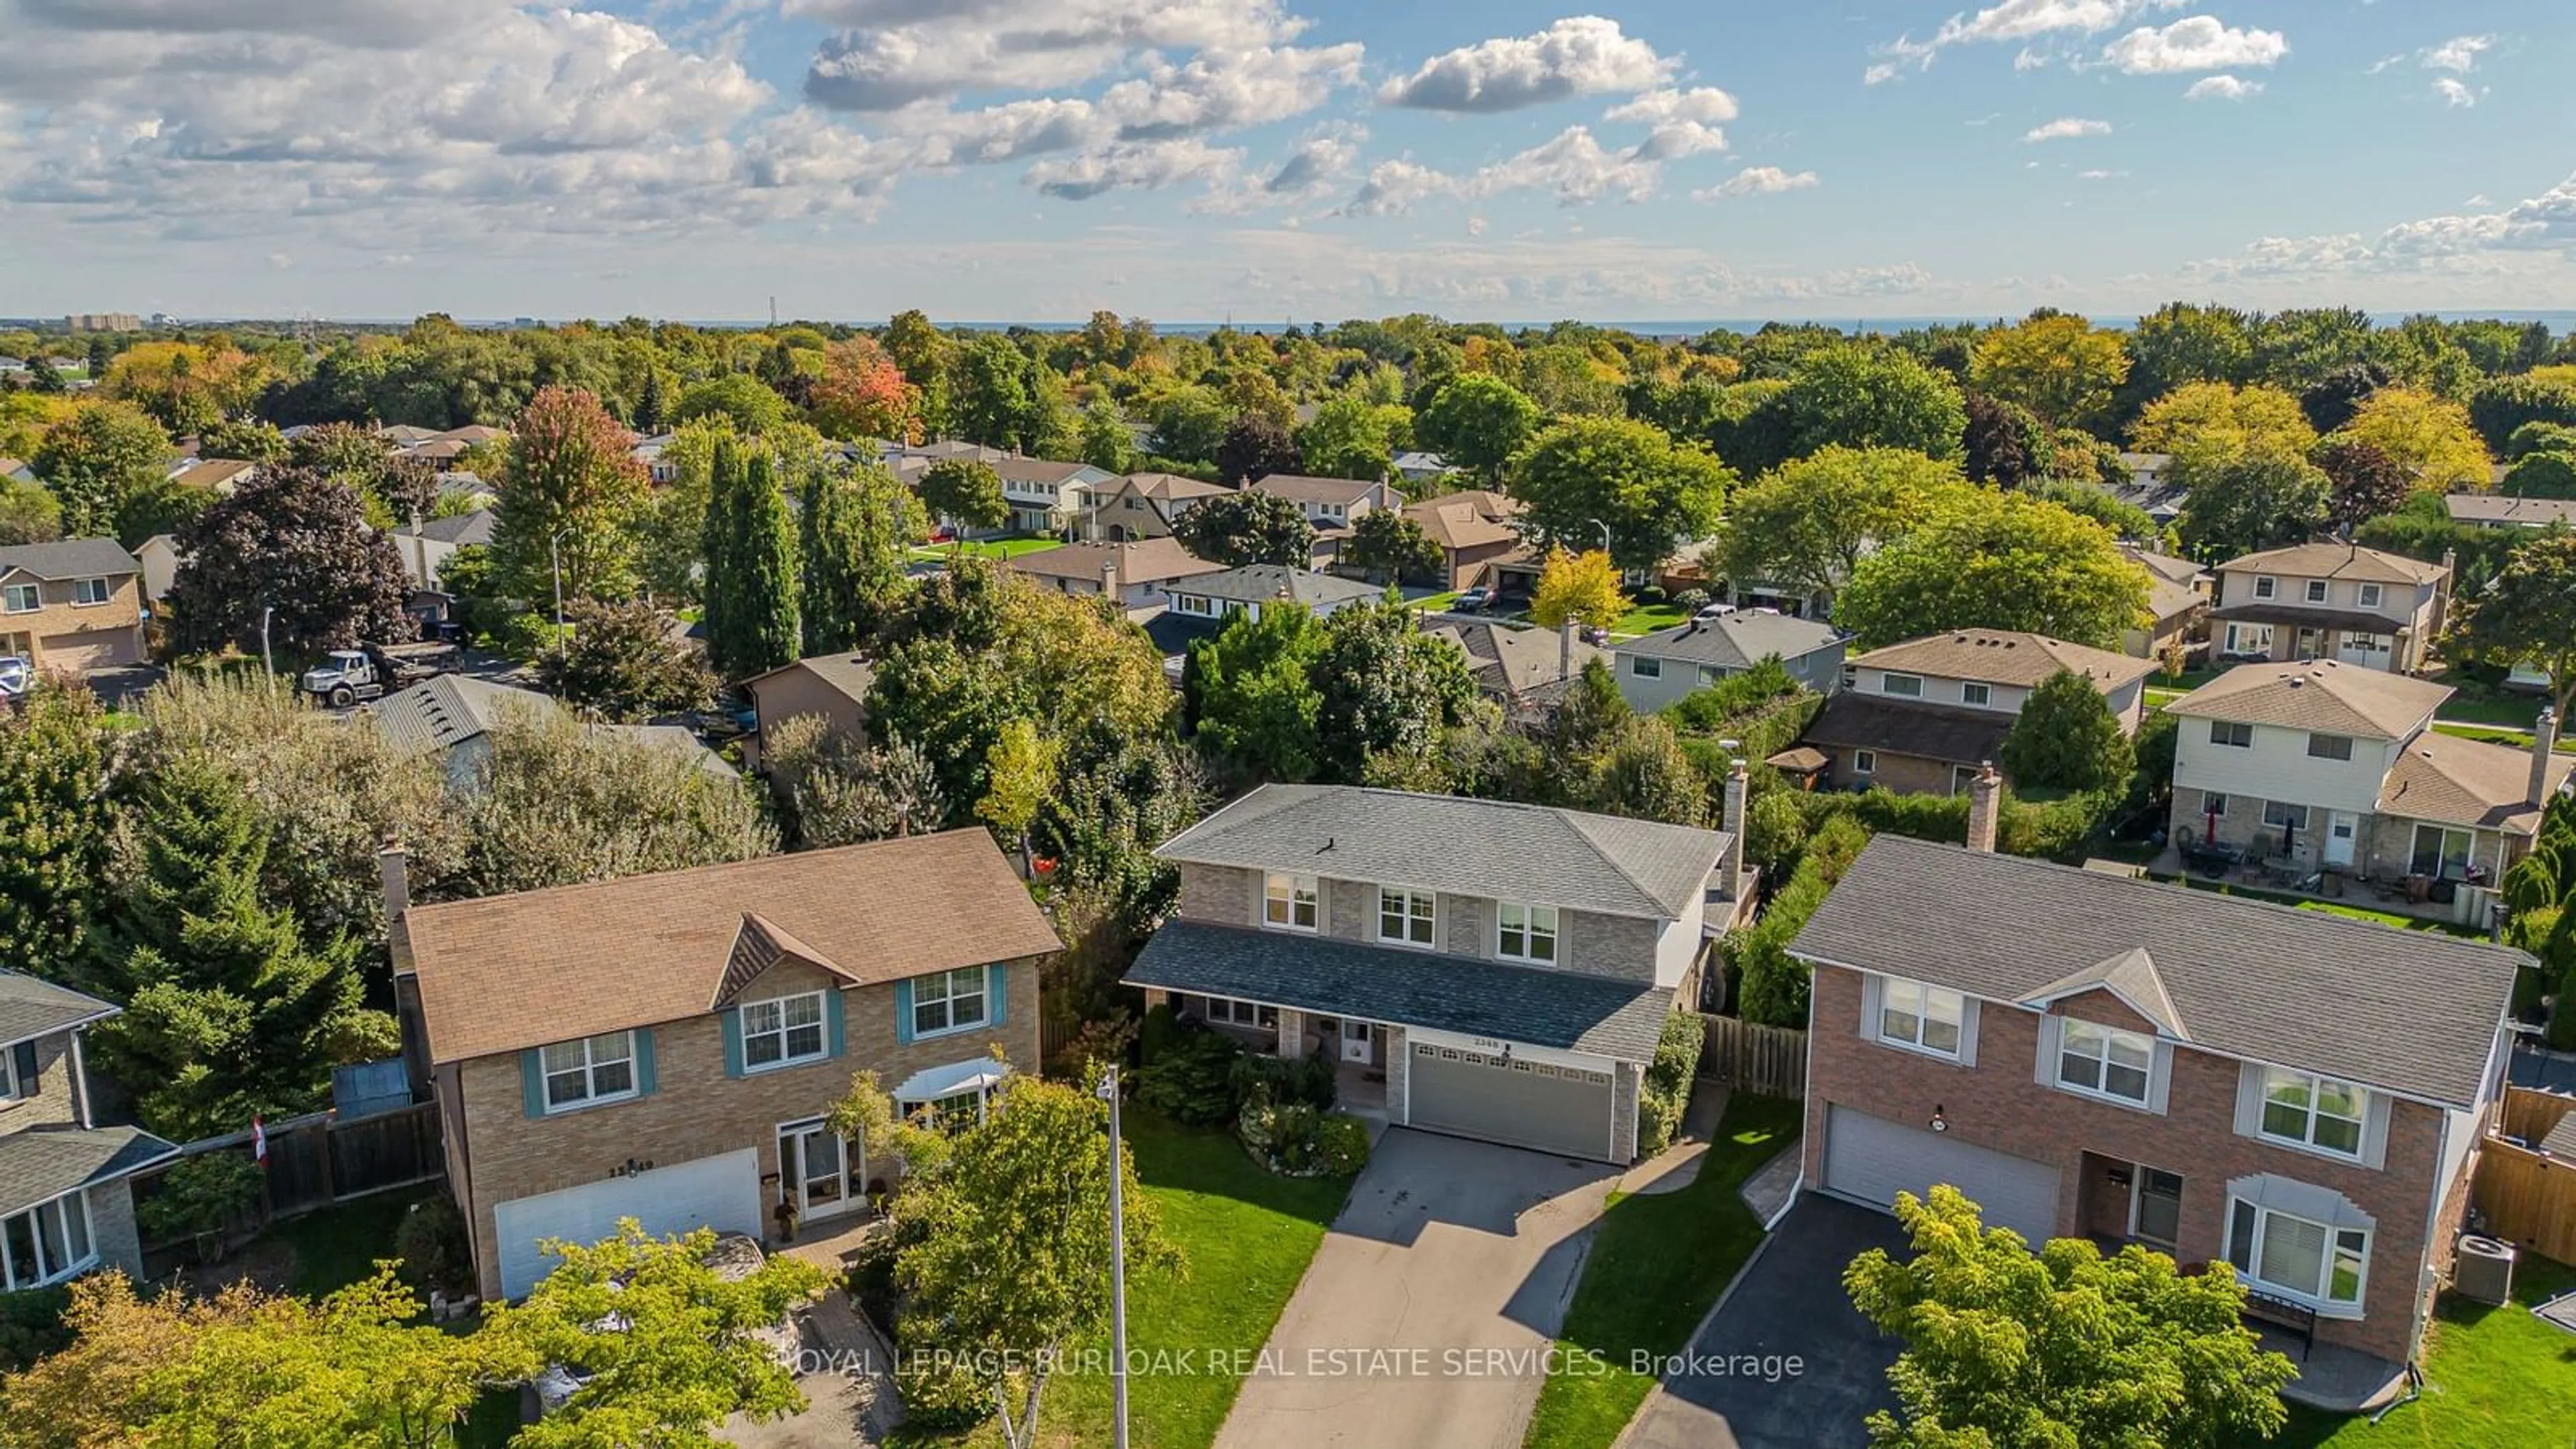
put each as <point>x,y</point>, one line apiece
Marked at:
<point>17,675</point>
<point>1472,601</point>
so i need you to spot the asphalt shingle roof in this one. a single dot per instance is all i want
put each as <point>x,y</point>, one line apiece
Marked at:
<point>1927,731</point>
<point>2463,508</point>
<point>2004,656</point>
<point>2470,782</point>
<point>2407,1011</point>
<point>1494,848</point>
<point>30,1007</point>
<point>1564,1009</point>
<point>459,529</point>
<point>442,713</point>
<point>1736,640</point>
<point>2336,561</point>
<point>46,1162</point>
<point>72,558</point>
<point>1261,583</point>
<point>1303,488</point>
<point>2319,694</point>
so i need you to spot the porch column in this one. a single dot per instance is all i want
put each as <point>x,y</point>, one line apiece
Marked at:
<point>1292,1034</point>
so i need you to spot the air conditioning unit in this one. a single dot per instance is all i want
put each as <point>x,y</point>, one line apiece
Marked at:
<point>2483,1271</point>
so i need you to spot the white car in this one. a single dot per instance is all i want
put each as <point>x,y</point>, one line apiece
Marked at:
<point>17,675</point>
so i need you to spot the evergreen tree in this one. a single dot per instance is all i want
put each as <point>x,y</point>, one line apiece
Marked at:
<point>764,616</point>
<point>721,546</point>
<point>650,405</point>
<point>228,1011</point>
<point>855,526</point>
<point>53,829</point>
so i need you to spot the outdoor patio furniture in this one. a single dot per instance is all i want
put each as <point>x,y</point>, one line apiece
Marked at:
<point>2281,1311</point>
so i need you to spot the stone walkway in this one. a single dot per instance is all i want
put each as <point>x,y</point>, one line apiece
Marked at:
<point>1677,1166</point>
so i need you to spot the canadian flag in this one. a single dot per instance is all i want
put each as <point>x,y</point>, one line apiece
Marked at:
<point>258,1141</point>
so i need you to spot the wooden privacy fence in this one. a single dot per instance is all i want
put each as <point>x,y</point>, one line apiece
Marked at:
<point>317,1160</point>
<point>1768,1060</point>
<point>2528,1197</point>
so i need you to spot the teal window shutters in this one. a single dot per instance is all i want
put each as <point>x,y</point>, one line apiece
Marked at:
<point>903,1011</point>
<point>997,994</point>
<point>836,1030</point>
<point>532,1081</point>
<point>645,1077</point>
<point>730,1021</point>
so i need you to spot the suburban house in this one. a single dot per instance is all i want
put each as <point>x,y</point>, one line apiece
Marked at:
<point>666,1047</point>
<point>1136,572</point>
<point>216,475</point>
<point>65,1203</point>
<point>17,470</point>
<point>427,545</point>
<point>2331,601</point>
<point>2489,510</point>
<point>2177,601</point>
<point>2332,766</point>
<point>1522,669</point>
<point>1656,669</point>
<point>1238,590</point>
<point>2097,1056</point>
<point>454,715</point>
<point>1047,497</point>
<point>1416,466</point>
<point>1479,967</point>
<point>1146,505</point>
<point>1331,504</point>
<point>1474,530</point>
<point>648,451</point>
<point>2148,489</point>
<point>159,559</point>
<point>73,606</point>
<point>1920,717</point>
<point>834,686</point>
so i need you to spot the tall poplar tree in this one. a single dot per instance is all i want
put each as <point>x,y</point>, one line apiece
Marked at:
<point>855,527</point>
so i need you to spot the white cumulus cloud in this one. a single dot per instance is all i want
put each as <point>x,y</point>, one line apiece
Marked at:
<point>1579,55</point>
<point>1757,180</point>
<point>2201,42</point>
<point>1706,105</point>
<point>2458,55</point>
<point>2010,22</point>
<point>2222,88</point>
<point>2067,128</point>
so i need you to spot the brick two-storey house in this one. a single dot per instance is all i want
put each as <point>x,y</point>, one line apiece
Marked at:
<point>2331,601</point>
<point>73,606</point>
<point>665,1047</point>
<point>1503,970</point>
<point>1921,716</point>
<point>2089,1055</point>
<point>65,1204</point>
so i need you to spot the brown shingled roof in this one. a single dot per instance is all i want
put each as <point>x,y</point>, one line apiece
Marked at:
<point>1471,519</point>
<point>509,972</point>
<point>2336,561</point>
<point>2320,694</point>
<point>2469,782</point>
<point>2003,656</point>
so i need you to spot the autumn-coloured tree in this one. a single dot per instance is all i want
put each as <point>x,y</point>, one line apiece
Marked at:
<point>1577,586</point>
<point>291,549</point>
<point>863,394</point>
<point>572,488</point>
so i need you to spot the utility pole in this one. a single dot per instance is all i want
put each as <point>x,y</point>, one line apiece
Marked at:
<point>1117,1268</point>
<point>266,664</point>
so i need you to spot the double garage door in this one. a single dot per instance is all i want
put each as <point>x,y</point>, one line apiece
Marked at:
<point>1871,1159</point>
<point>721,1192</point>
<point>92,649</point>
<point>1514,1101</point>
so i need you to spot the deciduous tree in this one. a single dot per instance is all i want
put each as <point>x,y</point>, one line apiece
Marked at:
<point>2058,365</point>
<point>2429,437</point>
<point>1387,692</point>
<point>1351,437</point>
<point>573,490</point>
<point>751,405</point>
<point>2067,738</point>
<point>1650,491</point>
<point>1247,527</point>
<point>28,514</point>
<point>1577,586</point>
<point>832,790</point>
<point>965,493</point>
<point>2004,445</point>
<point>1808,524</point>
<point>1389,545</point>
<point>2208,426</point>
<point>2006,1345</point>
<point>863,394</point>
<point>2255,503</point>
<point>627,662</point>
<point>95,457</point>
<point>1857,396</point>
<point>1251,694</point>
<point>1255,446</point>
<point>2528,615</point>
<point>1984,560</point>
<point>1477,421</point>
<point>290,547</point>
<point>2364,482</point>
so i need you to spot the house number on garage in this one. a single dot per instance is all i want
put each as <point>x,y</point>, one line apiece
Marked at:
<point>1486,1043</point>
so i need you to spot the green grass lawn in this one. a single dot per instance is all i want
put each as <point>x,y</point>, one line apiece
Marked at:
<point>1246,1235</point>
<point>2494,1378</point>
<point>1648,618</point>
<point>339,1245</point>
<point>2494,735</point>
<point>1657,1262</point>
<point>992,548</point>
<point>2504,711</point>
<point>2159,698</point>
<point>1433,603</point>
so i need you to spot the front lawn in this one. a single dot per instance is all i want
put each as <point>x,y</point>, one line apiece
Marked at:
<point>992,548</point>
<point>1246,1235</point>
<point>2497,735</point>
<point>1648,618</point>
<point>2494,1378</point>
<point>1658,1261</point>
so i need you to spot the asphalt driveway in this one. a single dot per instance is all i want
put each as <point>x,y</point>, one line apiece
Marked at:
<point>1427,1315</point>
<point>1738,1391</point>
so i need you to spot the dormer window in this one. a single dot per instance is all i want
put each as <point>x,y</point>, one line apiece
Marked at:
<point>783,1031</point>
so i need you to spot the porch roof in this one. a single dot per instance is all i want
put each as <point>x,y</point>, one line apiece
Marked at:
<point>2349,621</point>
<point>1564,1009</point>
<point>43,1163</point>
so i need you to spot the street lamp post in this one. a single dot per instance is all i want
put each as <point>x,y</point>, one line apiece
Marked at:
<point>266,613</point>
<point>554,556</point>
<point>1605,535</point>
<point>1117,1268</point>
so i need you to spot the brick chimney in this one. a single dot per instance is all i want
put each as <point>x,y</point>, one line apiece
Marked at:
<point>2544,738</point>
<point>1985,805</point>
<point>1731,864</point>
<point>393,872</point>
<point>1109,577</point>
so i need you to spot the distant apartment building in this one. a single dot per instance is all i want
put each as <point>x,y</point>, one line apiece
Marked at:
<point>102,322</point>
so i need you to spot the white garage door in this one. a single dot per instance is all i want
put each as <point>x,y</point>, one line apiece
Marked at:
<point>1872,1159</point>
<point>720,1192</point>
<point>1518,1102</point>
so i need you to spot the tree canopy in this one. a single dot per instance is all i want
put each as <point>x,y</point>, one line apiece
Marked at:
<point>1807,525</point>
<point>1577,586</point>
<point>1648,490</point>
<point>289,553</point>
<point>1247,527</point>
<point>2066,738</point>
<point>1985,560</point>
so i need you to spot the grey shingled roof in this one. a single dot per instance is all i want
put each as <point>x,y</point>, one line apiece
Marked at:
<point>72,558</point>
<point>1736,640</point>
<point>1493,848</point>
<point>1959,736</point>
<point>1564,1009</point>
<point>442,713</point>
<point>46,1162</point>
<point>1261,583</point>
<point>2407,1011</point>
<point>29,1007</point>
<point>460,529</point>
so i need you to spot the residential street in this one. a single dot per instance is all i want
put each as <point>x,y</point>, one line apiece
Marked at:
<point>1426,1315</point>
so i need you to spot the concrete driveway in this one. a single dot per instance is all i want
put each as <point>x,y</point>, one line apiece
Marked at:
<point>1427,1314</point>
<point>846,1372</point>
<point>1737,1392</point>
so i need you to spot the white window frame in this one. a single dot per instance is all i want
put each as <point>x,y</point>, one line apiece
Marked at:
<point>773,1020</point>
<point>1864,762</point>
<point>84,589</point>
<point>1292,902</point>
<point>2369,595</point>
<point>978,987</point>
<point>1643,667</point>
<point>2322,747</point>
<point>1887,685</point>
<point>1234,1011</point>
<point>1921,1006</point>
<point>10,594</point>
<point>2070,1027</point>
<point>2312,1111</point>
<point>2214,802</point>
<point>1537,931</point>
<point>1413,912</point>
<point>2234,734</point>
<point>2301,824</point>
<point>69,1211</point>
<point>2316,592</point>
<point>1195,605</point>
<point>594,1063</point>
<point>1974,692</point>
<point>2266,586</point>
<point>2318,1295</point>
<point>2249,639</point>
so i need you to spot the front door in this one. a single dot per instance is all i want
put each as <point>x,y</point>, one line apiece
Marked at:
<point>2342,827</point>
<point>813,1169</point>
<point>1355,1040</point>
<point>2159,1208</point>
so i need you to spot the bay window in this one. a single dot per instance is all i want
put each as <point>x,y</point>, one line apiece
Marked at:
<point>2317,1264</point>
<point>46,1243</point>
<point>1290,902</point>
<point>2104,1061</point>
<point>2313,1111</point>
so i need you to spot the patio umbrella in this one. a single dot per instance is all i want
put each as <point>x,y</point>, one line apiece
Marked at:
<point>2289,839</point>
<point>2209,829</point>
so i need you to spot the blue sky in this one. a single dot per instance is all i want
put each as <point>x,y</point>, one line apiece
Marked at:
<point>1269,159</point>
